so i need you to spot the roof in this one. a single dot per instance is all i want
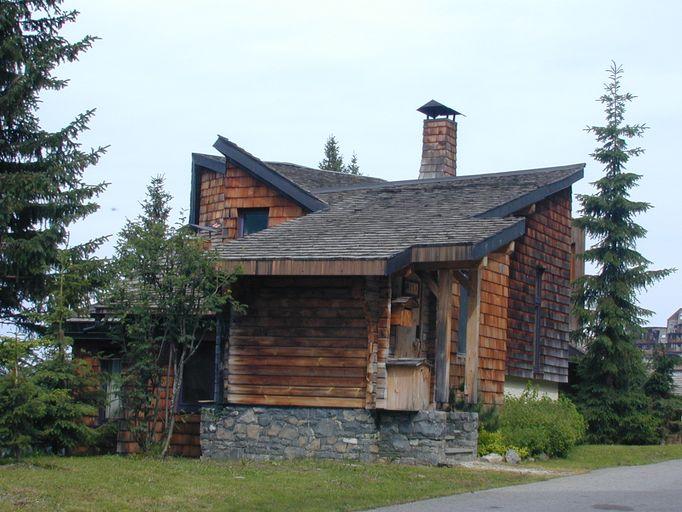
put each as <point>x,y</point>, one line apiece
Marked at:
<point>293,181</point>
<point>389,225</point>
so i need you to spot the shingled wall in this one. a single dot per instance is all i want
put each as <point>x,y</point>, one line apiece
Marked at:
<point>222,196</point>
<point>493,331</point>
<point>547,243</point>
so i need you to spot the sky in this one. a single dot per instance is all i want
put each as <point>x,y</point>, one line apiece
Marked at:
<point>279,77</point>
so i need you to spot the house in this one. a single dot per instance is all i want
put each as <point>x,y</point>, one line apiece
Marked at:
<point>668,337</point>
<point>379,313</point>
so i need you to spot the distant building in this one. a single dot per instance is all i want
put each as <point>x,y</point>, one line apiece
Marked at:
<point>669,337</point>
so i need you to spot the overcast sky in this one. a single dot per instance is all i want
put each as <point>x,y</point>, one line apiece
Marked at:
<point>279,77</point>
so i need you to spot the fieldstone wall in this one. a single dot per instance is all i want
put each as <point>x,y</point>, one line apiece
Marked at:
<point>275,433</point>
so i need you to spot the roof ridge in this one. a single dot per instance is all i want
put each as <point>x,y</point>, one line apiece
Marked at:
<point>451,179</point>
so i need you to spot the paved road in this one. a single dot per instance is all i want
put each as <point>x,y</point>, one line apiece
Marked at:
<point>653,488</point>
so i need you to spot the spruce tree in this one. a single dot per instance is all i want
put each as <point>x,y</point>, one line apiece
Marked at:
<point>41,172</point>
<point>333,161</point>
<point>612,372</point>
<point>353,167</point>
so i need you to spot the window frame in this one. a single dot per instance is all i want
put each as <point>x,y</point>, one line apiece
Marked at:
<point>241,218</point>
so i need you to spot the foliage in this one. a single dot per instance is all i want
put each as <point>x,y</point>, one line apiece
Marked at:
<point>659,387</point>
<point>541,424</point>
<point>610,393</point>
<point>353,167</point>
<point>495,442</point>
<point>41,172</point>
<point>333,160</point>
<point>165,296</point>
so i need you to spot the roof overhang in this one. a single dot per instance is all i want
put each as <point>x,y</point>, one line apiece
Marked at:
<point>536,195</point>
<point>436,255</point>
<point>264,173</point>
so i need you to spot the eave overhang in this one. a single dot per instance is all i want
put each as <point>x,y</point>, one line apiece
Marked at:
<point>436,255</point>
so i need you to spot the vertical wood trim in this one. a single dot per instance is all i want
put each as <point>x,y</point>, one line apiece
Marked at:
<point>473,340</point>
<point>443,335</point>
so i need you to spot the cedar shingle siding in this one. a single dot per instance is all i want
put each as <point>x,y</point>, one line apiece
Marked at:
<point>547,243</point>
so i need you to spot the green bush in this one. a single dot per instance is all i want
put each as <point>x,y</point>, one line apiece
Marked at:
<point>494,442</point>
<point>540,424</point>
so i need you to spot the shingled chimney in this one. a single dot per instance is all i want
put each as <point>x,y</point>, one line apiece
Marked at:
<point>439,150</point>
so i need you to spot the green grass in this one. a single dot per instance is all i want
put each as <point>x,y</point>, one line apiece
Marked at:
<point>588,457</point>
<point>118,483</point>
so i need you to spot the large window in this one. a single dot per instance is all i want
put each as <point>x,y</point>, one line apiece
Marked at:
<point>198,377</point>
<point>251,220</point>
<point>111,370</point>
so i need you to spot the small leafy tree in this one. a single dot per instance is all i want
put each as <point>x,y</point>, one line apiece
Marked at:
<point>612,373</point>
<point>167,292</point>
<point>660,386</point>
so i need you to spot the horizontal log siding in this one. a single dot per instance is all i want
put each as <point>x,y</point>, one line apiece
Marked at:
<point>493,331</point>
<point>302,341</point>
<point>222,195</point>
<point>546,243</point>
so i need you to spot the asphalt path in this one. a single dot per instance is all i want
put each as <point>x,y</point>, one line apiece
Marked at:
<point>650,488</point>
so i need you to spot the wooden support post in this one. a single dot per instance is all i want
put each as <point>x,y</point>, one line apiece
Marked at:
<point>472,333</point>
<point>443,336</point>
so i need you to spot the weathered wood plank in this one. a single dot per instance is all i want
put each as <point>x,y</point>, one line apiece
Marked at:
<point>443,335</point>
<point>472,334</point>
<point>326,371</point>
<point>314,391</point>
<point>296,361</point>
<point>298,351</point>
<point>308,401</point>
<point>303,380</point>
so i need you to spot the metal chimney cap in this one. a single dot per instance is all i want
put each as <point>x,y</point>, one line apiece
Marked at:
<point>434,109</point>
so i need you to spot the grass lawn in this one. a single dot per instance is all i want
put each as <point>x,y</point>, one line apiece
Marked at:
<point>113,483</point>
<point>129,483</point>
<point>587,457</point>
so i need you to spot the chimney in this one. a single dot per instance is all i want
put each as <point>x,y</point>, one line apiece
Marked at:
<point>439,150</point>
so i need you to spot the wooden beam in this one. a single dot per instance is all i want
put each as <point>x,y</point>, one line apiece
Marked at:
<point>461,278</point>
<point>443,336</point>
<point>472,333</point>
<point>429,281</point>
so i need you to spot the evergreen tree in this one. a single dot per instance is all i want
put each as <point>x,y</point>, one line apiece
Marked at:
<point>612,373</point>
<point>41,172</point>
<point>353,167</point>
<point>333,161</point>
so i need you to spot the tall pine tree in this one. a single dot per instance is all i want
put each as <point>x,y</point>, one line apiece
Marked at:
<point>41,172</point>
<point>612,373</point>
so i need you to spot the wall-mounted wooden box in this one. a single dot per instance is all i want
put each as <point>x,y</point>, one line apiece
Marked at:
<point>408,384</point>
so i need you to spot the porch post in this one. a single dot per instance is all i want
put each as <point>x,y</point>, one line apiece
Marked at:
<point>443,336</point>
<point>472,335</point>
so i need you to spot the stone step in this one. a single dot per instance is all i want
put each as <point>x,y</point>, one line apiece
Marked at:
<point>458,451</point>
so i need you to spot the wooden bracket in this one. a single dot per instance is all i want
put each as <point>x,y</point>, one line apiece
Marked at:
<point>428,279</point>
<point>462,278</point>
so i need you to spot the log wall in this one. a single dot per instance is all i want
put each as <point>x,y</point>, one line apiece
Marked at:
<point>546,244</point>
<point>308,342</point>
<point>223,194</point>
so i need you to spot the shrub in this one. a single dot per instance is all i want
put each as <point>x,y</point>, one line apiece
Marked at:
<point>494,442</point>
<point>540,424</point>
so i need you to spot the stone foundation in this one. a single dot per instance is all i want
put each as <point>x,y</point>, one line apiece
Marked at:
<point>275,433</point>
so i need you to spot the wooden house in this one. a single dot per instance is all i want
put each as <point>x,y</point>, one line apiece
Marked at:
<point>370,295</point>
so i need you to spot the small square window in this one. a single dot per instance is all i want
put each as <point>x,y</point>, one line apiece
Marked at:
<point>251,220</point>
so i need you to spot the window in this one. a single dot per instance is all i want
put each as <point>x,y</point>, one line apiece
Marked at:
<point>251,220</point>
<point>198,377</point>
<point>111,368</point>
<point>537,368</point>
<point>462,328</point>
